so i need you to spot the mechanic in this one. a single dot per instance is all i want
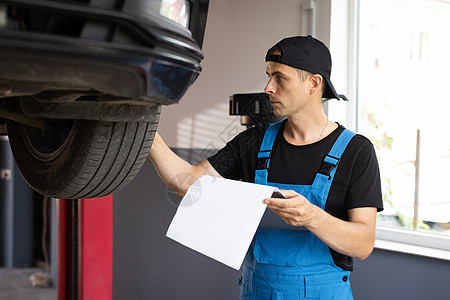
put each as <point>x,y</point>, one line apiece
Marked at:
<point>328,175</point>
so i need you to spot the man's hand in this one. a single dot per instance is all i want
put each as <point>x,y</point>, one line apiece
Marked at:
<point>295,209</point>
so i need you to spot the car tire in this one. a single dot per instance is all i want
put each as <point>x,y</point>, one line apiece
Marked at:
<point>86,159</point>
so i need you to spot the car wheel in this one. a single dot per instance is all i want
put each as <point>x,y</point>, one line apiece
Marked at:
<point>81,158</point>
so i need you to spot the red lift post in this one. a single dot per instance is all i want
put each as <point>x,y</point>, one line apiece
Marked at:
<point>85,241</point>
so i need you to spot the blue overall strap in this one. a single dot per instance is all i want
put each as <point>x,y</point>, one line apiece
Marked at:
<point>264,153</point>
<point>331,161</point>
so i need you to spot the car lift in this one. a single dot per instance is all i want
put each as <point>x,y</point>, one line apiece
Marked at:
<point>85,234</point>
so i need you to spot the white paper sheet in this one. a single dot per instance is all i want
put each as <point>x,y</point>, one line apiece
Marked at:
<point>219,217</point>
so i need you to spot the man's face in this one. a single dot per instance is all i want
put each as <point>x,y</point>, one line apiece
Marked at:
<point>287,92</point>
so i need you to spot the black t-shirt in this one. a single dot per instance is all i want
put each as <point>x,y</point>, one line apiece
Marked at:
<point>356,182</point>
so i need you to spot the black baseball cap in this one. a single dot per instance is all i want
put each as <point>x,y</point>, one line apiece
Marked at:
<point>309,54</point>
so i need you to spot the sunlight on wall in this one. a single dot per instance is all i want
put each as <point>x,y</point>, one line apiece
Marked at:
<point>212,127</point>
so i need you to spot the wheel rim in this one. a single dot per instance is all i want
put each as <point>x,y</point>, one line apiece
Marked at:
<point>46,144</point>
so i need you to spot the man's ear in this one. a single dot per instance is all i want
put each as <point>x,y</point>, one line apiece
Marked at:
<point>316,82</point>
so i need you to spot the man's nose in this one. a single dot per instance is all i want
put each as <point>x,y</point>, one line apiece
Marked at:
<point>269,89</point>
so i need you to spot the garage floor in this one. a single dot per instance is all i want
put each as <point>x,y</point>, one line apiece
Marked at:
<point>15,285</point>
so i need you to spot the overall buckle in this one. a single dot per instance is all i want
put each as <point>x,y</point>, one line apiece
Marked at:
<point>262,163</point>
<point>263,160</point>
<point>328,166</point>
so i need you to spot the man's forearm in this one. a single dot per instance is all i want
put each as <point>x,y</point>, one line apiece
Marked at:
<point>177,173</point>
<point>353,238</point>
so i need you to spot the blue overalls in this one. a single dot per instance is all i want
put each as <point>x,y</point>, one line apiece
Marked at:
<point>294,264</point>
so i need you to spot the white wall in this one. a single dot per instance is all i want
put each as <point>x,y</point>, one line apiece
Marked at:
<point>238,34</point>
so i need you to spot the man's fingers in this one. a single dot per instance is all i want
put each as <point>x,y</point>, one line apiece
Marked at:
<point>289,193</point>
<point>291,199</point>
<point>285,208</point>
<point>279,202</point>
<point>284,213</point>
<point>289,216</point>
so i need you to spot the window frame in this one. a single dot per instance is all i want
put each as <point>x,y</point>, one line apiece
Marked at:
<point>344,40</point>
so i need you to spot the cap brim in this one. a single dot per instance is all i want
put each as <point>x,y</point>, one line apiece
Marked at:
<point>330,92</point>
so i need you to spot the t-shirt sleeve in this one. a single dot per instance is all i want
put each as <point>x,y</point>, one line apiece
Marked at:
<point>232,161</point>
<point>225,161</point>
<point>364,188</point>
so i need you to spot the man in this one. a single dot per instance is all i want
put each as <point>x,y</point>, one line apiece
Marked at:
<point>328,175</point>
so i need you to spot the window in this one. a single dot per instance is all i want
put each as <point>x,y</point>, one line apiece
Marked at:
<point>403,107</point>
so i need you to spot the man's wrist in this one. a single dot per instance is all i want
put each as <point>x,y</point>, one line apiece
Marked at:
<point>317,217</point>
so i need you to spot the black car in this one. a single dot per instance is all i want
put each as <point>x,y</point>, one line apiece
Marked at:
<point>82,83</point>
